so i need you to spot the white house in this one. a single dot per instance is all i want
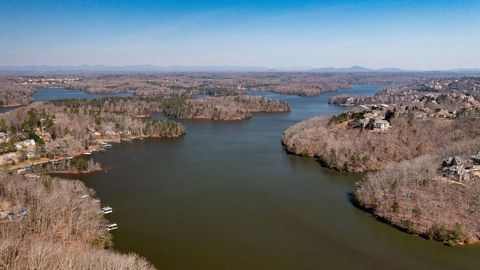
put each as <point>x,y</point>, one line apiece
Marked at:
<point>25,145</point>
<point>381,125</point>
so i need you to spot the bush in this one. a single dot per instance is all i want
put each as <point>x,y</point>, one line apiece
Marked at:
<point>448,236</point>
<point>389,116</point>
<point>395,207</point>
<point>79,164</point>
<point>7,148</point>
<point>408,226</point>
<point>339,118</point>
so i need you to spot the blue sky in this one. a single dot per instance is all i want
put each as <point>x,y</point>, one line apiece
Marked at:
<point>406,34</point>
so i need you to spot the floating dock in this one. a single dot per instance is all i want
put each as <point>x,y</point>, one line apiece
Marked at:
<point>107,210</point>
<point>111,227</point>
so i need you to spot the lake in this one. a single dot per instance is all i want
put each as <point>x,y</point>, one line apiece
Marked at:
<point>227,196</point>
<point>45,94</point>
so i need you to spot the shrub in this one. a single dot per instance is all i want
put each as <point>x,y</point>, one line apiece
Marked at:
<point>79,164</point>
<point>408,226</point>
<point>448,236</point>
<point>7,148</point>
<point>395,207</point>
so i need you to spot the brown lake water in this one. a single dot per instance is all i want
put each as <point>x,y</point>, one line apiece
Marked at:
<point>227,196</point>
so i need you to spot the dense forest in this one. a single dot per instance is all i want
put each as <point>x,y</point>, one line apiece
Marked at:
<point>55,224</point>
<point>18,90</point>
<point>215,108</point>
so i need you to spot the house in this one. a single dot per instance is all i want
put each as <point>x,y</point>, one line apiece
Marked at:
<point>454,168</point>
<point>25,145</point>
<point>381,125</point>
<point>110,132</point>
<point>452,161</point>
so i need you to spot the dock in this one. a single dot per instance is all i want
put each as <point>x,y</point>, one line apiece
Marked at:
<point>107,210</point>
<point>111,227</point>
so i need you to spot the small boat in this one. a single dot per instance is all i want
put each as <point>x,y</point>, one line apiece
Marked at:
<point>111,227</point>
<point>107,145</point>
<point>88,153</point>
<point>107,210</point>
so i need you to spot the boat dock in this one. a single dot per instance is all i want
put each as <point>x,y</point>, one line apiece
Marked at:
<point>111,227</point>
<point>107,210</point>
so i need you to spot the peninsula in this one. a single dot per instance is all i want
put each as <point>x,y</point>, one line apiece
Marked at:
<point>53,136</point>
<point>402,135</point>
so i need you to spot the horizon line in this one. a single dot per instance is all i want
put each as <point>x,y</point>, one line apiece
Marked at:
<point>151,67</point>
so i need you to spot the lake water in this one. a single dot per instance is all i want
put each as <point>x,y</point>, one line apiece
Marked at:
<point>45,94</point>
<point>227,196</point>
<point>7,109</point>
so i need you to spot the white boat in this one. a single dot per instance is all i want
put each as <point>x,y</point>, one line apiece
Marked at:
<point>88,153</point>
<point>107,210</point>
<point>105,145</point>
<point>111,227</point>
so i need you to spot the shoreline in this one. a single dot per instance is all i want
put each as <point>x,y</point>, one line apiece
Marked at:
<point>72,172</point>
<point>93,149</point>
<point>12,106</point>
<point>423,236</point>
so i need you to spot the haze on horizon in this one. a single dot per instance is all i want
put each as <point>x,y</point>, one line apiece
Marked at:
<point>408,34</point>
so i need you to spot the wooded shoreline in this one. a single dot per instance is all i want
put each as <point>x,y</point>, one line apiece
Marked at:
<point>434,124</point>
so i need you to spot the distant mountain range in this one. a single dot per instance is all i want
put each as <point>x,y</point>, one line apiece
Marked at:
<point>151,69</point>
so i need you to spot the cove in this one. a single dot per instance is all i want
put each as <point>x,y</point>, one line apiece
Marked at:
<point>227,196</point>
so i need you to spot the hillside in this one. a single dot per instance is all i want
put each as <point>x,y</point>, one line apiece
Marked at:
<point>414,121</point>
<point>50,223</point>
<point>425,197</point>
<point>421,145</point>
